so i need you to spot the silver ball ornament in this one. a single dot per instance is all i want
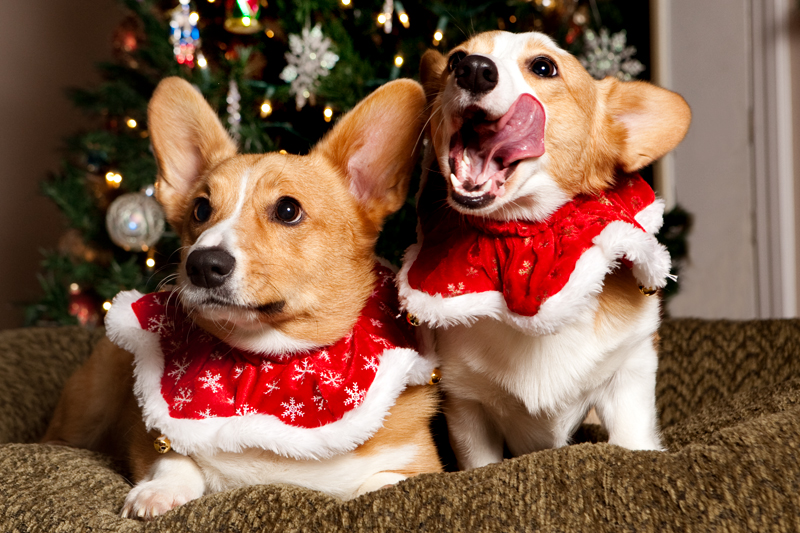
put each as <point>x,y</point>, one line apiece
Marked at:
<point>135,221</point>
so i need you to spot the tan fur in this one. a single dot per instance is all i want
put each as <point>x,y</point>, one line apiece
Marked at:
<point>620,300</point>
<point>407,423</point>
<point>320,268</point>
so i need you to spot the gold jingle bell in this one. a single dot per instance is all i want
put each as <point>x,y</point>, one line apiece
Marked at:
<point>162,444</point>
<point>647,291</point>
<point>412,319</point>
<point>436,377</point>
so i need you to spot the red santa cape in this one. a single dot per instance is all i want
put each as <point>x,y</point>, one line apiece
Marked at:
<point>535,276</point>
<point>206,395</point>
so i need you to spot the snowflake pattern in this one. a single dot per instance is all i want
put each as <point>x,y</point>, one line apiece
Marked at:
<point>302,369</point>
<point>179,370</point>
<point>355,395</point>
<point>387,278</point>
<point>211,381</point>
<point>309,58</point>
<point>331,378</point>
<point>160,324</point>
<point>319,402</point>
<point>184,396</point>
<point>375,322</point>
<point>472,271</point>
<point>372,364</point>
<point>266,366</point>
<point>237,371</point>
<point>205,414</point>
<point>526,269</point>
<point>325,356</point>
<point>246,410</point>
<point>272,387</point>
<point>292,410</point>
<point>381,341</point>
<point>456,289</point>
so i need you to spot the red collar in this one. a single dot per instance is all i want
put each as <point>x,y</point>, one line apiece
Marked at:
<point>205,378</point>
<point>466,267</point>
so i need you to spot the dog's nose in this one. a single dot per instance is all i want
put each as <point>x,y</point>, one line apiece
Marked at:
<point>477,74</point>
<point>209,267</point>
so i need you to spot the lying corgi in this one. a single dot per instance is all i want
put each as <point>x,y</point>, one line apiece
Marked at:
<point>535,238</point>
<point>278,358</point>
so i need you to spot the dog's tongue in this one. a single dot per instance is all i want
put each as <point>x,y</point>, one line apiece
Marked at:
<point>517,135</point>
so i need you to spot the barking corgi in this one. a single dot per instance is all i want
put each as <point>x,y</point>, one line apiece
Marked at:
<point>278,357</point>
<point>536,258</point>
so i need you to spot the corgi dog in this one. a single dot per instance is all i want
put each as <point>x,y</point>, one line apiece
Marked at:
<point>536,259</point>
<point>278,357</point>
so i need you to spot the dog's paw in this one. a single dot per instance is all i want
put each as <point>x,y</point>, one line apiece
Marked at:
<point>379,481</point>
<point>150,499</point>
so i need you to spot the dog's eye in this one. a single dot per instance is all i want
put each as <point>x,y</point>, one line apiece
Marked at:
<point>544,67</point>
<point>288,210</point>
<point>202,209</point>
<point>455,59</point>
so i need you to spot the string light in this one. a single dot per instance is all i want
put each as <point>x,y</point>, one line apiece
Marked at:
<point>201,60</point>
<point>283,152</point>
<point>398,61</point>
<point>328,113</point>
<point>194,17</point>
<point>345,2</point>
<point>270,34</point>
<point>266,108</point>
<point>512,19</point>
<point>131,123</point>
<point>113,179</point>
<point>381,19</point>
<point>106,305</point>
<point>402,15</point>
<point>438,35</point>
<point>151,258</point>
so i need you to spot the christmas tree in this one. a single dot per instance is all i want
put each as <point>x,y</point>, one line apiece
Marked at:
<point>279,73</point>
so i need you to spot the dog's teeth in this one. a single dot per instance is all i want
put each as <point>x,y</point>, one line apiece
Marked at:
<point>465,159</point>
<point>486,186</point>
<point>454,180</point>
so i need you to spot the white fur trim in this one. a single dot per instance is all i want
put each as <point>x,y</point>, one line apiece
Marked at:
<point>651,265</point>
<point>651,218</point>
<point>399,368</point>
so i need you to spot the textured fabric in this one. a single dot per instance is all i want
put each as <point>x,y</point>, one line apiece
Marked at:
<point>728,395</point>
<point>203,377</point>
<point>534,276</point>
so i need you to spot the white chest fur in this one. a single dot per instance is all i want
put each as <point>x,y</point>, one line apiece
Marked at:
<point>343,475</point>
<point>531,392</point>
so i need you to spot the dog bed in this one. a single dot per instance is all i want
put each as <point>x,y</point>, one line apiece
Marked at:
<point>728,399</point>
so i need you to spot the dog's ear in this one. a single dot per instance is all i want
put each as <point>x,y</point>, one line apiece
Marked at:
<point>655,120</point>
<point>376,145</point>
<point>431,67</point>
<point>187,139</point>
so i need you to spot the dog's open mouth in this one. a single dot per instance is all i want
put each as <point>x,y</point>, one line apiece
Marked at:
<point>484,153</point>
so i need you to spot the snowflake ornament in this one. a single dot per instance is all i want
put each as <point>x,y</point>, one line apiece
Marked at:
<point>309,58</point>
<point>605,55</point>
